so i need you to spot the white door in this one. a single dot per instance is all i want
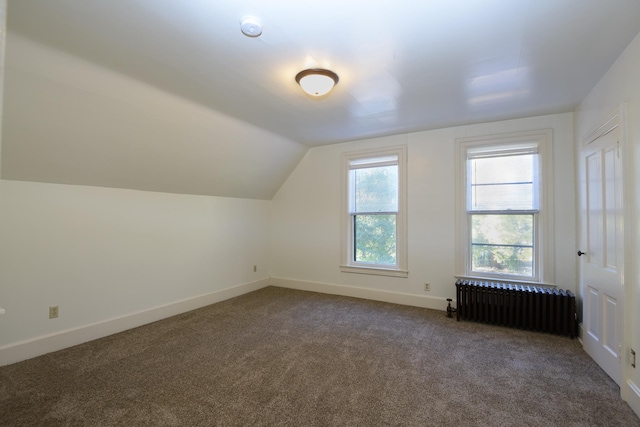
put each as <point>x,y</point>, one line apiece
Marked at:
<point>602,242</point>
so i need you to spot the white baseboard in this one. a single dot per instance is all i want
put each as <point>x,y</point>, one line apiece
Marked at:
<point>633,396</point>
<point>580,334</point>
<point>34,347</point>
<point>435,303</point>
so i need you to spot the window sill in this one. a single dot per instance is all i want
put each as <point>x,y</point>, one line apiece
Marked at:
<point>376,271</point>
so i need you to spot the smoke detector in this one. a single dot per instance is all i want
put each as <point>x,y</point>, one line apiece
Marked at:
<point>251,26</point>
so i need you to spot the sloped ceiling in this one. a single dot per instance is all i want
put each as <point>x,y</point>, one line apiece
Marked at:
<point>404,66</point>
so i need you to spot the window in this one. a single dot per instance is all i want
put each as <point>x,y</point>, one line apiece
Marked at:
<point>505,224</point>
<point>374,214</point>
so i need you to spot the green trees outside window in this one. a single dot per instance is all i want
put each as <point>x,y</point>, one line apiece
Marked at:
<point>375,239</point>
<point>502,244</point>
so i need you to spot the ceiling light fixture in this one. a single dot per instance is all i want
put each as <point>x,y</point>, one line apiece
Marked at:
<point>317,81</point>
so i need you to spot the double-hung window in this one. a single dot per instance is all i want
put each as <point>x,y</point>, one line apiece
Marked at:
<point>374,214</point>
<point>506,221</point>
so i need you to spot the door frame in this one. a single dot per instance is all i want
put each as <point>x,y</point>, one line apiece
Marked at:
<point>617,120</point>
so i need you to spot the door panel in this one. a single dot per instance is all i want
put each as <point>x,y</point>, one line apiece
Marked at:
<point>611,219</point>
<point>592,320</point>
<point>594,208</point>
<point>610,330</point>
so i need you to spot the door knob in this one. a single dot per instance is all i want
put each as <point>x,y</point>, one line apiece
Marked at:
<point>580,253</point>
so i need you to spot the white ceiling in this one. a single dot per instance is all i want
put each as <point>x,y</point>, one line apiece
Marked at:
<point>404,65</point>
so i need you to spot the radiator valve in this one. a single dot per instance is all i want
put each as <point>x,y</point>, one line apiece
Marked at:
<point>450,310</point>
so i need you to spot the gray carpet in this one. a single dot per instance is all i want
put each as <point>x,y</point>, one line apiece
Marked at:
<point>279,357</point>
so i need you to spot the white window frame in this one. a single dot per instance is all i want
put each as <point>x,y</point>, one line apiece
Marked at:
<point>543,253</point>
<point>348,264</point>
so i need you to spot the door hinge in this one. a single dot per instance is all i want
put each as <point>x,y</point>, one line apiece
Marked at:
<point>633,358</point>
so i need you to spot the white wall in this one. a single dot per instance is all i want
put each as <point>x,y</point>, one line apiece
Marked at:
<point>3,22</point>
<point>102,254</point>
<point>3,32</point>
<point>69,121</point>
<point>306,215</point>
<point>621,84</point>
<point>113,258</point>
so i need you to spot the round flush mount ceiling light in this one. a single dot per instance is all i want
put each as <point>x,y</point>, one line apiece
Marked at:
<point>251,26</point>
<point>317,81</point>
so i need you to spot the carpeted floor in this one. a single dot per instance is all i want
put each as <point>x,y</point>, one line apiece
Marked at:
<point>278,357</point>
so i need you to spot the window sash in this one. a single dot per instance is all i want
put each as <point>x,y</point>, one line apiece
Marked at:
<point>489,193</point>
<point>500,262</point>
<point>363,250</point>
<point>359,206</point>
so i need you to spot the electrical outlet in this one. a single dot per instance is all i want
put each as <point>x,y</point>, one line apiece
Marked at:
<point>427,287</point>
<point>255,268</point>
<point>53,312</point>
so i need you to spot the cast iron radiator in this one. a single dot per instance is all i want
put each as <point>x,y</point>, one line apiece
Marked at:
<point>519,306</point>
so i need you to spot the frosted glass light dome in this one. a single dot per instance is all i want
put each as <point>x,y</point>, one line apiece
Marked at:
<point>317,82</point>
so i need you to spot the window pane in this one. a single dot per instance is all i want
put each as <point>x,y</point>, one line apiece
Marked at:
<point>502,244</point>
<point>375,189</point>
<point>502,260</point>
<point>502,183</point>
<point>375,239</point>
